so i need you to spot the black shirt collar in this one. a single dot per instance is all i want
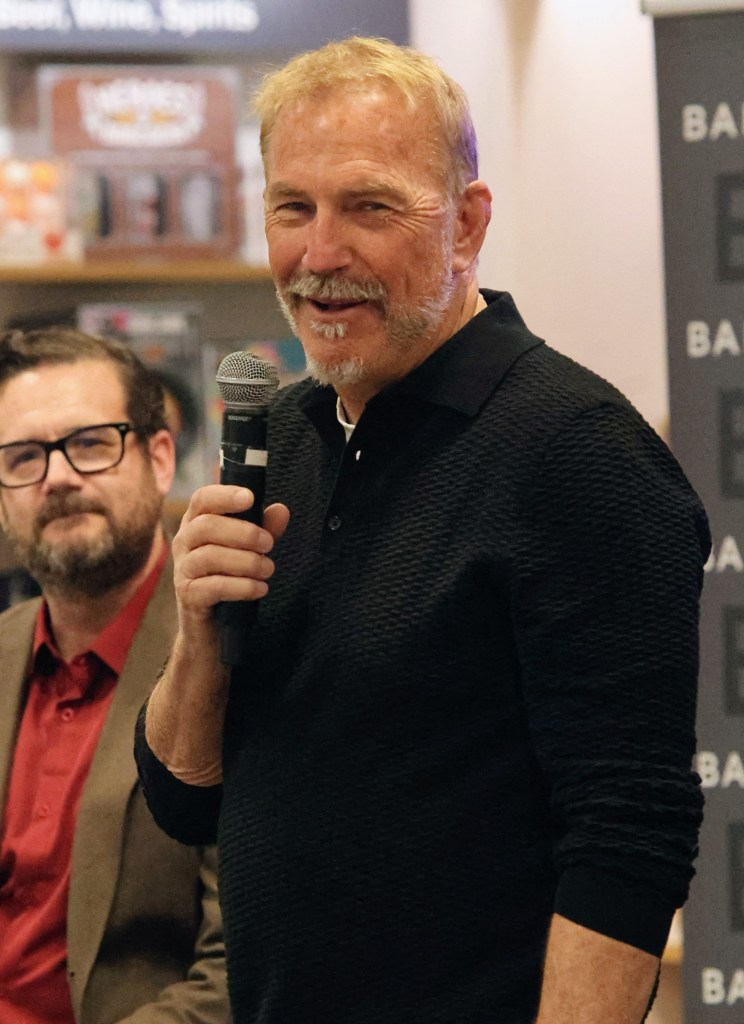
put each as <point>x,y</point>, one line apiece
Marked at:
<point>463,372</point>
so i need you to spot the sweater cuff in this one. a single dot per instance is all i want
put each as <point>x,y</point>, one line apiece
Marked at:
<point>186,813</point>
<point>605,904</point>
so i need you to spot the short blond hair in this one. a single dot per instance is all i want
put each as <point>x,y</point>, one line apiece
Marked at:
<point>359,61</point>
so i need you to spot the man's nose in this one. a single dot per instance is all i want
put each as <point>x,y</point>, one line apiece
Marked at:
<point>60,473</point>
<point>327,248</point>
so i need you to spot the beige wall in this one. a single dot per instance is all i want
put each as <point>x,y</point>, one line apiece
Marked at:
<point>563,98</point>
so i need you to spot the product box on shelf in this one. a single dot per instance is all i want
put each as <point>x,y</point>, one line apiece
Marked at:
<point>152,153</point>
<point>34,218</point>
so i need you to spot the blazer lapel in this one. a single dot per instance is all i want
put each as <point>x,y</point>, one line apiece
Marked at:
<point>112,778</point>
<point>16,639</point>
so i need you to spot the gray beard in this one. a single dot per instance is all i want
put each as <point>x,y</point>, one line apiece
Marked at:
<point>404,329</point>
<point>96,567</point>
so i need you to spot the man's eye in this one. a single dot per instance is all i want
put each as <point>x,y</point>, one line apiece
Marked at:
<point>370,206</point>
<point>18,457</point>
<point>294,207</point>
<point>86,444</point>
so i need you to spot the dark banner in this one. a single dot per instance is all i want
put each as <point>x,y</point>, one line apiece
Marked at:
<point>701,120</point>
<point>173,26</point>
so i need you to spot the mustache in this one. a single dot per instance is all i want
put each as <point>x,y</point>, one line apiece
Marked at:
<point>335,288</point>
<point>58,505</point>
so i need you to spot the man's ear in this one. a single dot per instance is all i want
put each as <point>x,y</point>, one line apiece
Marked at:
<point>473,217</point>
<point>162,450</point>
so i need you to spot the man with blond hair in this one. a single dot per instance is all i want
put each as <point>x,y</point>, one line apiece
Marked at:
<point>453,784</point>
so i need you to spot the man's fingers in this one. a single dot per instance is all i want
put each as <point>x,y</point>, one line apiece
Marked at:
<point>223,531</point>
<point>276,519</point>
<point>212,573</point>
<point>208,519</point>
<point>220,499</point>
<point>216,560</point>
<point>219,557</point>
<point>203,594</point>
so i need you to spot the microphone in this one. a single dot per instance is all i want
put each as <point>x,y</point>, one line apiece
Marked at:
<point>247,384</point>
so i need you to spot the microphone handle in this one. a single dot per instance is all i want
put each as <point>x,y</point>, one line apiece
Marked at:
<point>236,617</point>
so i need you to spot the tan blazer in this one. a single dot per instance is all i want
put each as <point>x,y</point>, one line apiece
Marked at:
<point>143,928</point>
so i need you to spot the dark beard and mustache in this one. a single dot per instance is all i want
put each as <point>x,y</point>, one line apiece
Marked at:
<point>89,567</point>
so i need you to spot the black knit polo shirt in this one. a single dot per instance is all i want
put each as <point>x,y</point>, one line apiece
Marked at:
<point>472,694</point>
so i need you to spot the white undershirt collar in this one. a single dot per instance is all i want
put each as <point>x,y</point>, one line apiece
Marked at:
<point>340,414</point>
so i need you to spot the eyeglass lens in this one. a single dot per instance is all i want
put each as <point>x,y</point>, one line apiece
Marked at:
<point>90,450</point>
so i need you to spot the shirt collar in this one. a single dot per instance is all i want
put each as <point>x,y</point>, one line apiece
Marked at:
<point>463,372</point>
<point>113,642</point>
<point>348,428</point>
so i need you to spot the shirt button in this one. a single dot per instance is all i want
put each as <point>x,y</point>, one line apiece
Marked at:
<point>67,715</point>
<point>334,522</point>
<point>358,454</point>
<point>43,811</point>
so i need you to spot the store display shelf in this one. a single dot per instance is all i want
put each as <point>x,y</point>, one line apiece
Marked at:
<point>211,271</point>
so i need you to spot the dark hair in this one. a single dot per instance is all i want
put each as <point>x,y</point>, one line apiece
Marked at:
<point>20,351</point>
<point>189,412</point>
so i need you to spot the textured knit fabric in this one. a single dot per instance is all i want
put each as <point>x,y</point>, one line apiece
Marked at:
<point>472,694</point>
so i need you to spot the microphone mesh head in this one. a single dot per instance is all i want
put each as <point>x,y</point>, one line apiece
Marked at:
<point>246,379</point>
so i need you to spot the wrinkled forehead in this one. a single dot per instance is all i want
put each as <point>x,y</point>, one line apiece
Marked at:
<point>365,113</point>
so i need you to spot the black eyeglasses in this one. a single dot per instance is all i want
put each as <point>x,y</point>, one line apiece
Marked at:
<point>88,450</point>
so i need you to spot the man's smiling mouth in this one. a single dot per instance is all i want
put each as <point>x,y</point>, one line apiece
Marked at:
<point>336,306</point>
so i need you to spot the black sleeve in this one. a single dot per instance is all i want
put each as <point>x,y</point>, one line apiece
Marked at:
<point>186,813</point>
<point>606,591</point>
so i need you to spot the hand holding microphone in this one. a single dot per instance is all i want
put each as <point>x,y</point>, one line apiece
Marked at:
<point>247,385</point>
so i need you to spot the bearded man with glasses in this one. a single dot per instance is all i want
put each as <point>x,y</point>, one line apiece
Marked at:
<point>102,917</point>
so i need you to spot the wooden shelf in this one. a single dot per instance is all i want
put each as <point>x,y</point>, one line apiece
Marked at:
<point>211,271</point>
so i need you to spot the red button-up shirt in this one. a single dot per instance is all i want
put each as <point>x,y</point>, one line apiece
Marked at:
<point>62,719</point>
